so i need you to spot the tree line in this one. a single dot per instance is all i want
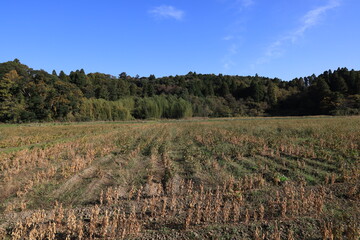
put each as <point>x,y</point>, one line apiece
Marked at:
<point>28,95</point>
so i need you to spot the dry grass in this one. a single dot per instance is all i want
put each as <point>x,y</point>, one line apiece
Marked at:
<point>268,178</point>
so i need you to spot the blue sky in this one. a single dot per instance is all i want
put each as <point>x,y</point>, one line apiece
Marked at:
<point>278,38</point>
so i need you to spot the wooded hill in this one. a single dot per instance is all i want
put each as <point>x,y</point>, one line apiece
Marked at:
<point>28,95</point>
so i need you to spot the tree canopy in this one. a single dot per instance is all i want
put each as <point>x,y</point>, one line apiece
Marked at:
<point>36,95</point>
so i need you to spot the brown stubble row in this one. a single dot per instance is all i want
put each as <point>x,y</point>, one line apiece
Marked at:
<point>25,169</point>
<point>119,217</point>
<point>283,174</point>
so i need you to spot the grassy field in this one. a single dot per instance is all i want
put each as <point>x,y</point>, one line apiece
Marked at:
<point>246,178</point>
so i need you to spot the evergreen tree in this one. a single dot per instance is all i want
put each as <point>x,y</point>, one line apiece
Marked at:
<point>338,84</point>
<point>133,90</point>
<point>256,91</point>
<point>30,95</point>
<point>271,94</point>
<point>224,89</point>
<point>123,75</point>
<point>322,88</point>
<point>150,90</point>
<point>63,76</point>
<point>80,79</point>
<point>152,77</point>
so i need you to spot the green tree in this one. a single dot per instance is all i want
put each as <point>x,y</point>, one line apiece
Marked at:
<point>338,84</point>
<point>322,88</point>
<point>123,75</point>
<point>152,77</point>
<point>40,92</point>
<point>63,76</point>
<point>224,89</point>
<point>272,94</point>
<point>66,100</point>
<point>257,91</point>
<point>150,90</point>
<point>181,109</point>
<point>80,79</point>
<point>7,101</point>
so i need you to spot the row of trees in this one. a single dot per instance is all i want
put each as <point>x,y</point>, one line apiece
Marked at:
<point>134,107</point>
<point>35,95</point>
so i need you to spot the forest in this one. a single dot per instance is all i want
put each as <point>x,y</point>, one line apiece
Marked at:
<point>28,95</point>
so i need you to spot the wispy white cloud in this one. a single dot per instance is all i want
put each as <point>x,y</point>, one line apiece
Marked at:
<point>165,11</point>
<point>309,20</point>
<point>245,3</point>
<point>312,18</point>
